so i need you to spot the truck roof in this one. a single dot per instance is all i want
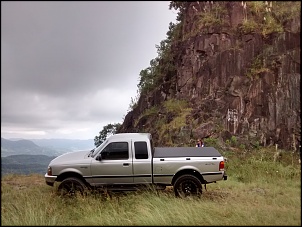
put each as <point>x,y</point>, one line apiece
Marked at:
<point>135,136</point>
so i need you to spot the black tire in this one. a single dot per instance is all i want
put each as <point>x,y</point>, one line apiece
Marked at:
<point>187,185</point>
<point>72,186</point>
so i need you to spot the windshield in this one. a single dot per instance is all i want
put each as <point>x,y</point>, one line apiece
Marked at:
<point>96,150</point>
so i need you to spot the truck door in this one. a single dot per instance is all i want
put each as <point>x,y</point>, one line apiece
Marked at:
<point>114,165</point>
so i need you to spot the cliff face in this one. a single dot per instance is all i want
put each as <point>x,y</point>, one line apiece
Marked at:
<point>242,84</point>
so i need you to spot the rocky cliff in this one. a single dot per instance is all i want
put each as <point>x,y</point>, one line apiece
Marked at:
<point>228,70</point>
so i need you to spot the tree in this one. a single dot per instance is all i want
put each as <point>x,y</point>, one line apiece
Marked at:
<point>146,80</point>
<point>181,7</point>
<point>107,131</point>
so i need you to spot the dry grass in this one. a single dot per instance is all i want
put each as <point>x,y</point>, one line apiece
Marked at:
<point>249,197</point>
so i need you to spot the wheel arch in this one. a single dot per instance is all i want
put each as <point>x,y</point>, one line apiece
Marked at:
<point>188,171</point>
<point>68,174</point>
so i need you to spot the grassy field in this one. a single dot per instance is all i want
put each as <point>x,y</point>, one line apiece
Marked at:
<point>259,191</point>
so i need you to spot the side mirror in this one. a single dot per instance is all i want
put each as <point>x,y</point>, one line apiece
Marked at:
<point>98,158</point>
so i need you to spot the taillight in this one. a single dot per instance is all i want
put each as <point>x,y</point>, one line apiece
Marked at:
<point>221,166</point>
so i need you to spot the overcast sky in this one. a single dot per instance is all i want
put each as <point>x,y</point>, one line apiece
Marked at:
<point>70,68</point>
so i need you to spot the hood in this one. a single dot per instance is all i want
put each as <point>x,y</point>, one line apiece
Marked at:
<point>70,157</point>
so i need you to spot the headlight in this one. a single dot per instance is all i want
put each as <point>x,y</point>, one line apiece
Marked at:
<point>49,171</point>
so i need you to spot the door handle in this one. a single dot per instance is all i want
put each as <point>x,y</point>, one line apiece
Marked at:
<point>125,164</point>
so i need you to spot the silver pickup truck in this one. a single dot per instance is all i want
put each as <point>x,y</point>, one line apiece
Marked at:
<point>128,161</point>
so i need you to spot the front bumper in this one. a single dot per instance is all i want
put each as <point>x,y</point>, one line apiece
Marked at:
<point>50,180</point>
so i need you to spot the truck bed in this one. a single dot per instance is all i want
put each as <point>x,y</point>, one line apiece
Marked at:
<point>169,152</point>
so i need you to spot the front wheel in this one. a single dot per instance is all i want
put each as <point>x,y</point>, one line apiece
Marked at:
<point>187,185</point>
<point>71,186</point>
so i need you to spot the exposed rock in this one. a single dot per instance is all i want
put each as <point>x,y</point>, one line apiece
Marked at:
<point>247,84</point>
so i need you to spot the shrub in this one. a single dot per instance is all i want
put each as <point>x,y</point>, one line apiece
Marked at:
<point>211,142</point>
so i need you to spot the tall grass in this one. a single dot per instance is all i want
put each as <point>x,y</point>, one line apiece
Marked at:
<point>258,192</point>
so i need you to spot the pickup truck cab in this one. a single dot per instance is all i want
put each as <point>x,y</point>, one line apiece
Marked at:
<point>128,161</point>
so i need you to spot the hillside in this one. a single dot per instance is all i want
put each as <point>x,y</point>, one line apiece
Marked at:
<point>25,164</point>
<point>25,156</point>
<point>227,71</point>
<point>22,146</point>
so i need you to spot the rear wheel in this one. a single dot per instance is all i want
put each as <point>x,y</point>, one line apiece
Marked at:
<point>187,185</point>
<point>72,186</point>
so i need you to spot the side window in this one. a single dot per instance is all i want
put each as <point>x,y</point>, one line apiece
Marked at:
<point>116,151</point>
<point>141,151</point>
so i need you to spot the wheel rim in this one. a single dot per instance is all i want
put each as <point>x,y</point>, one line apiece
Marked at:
<point>71,188</point>
<point>188,188</point>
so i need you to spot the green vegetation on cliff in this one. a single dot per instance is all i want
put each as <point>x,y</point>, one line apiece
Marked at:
<point>263,17</point>
<point>211,43</point>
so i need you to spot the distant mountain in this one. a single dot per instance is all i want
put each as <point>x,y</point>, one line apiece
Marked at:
<point>33,156</point>
<point>28,147</point>
<point>25,164</point>
<point>65,145</point>
<point>49,147</point>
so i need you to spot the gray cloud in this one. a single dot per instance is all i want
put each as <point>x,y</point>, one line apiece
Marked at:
<point>69,68</point>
